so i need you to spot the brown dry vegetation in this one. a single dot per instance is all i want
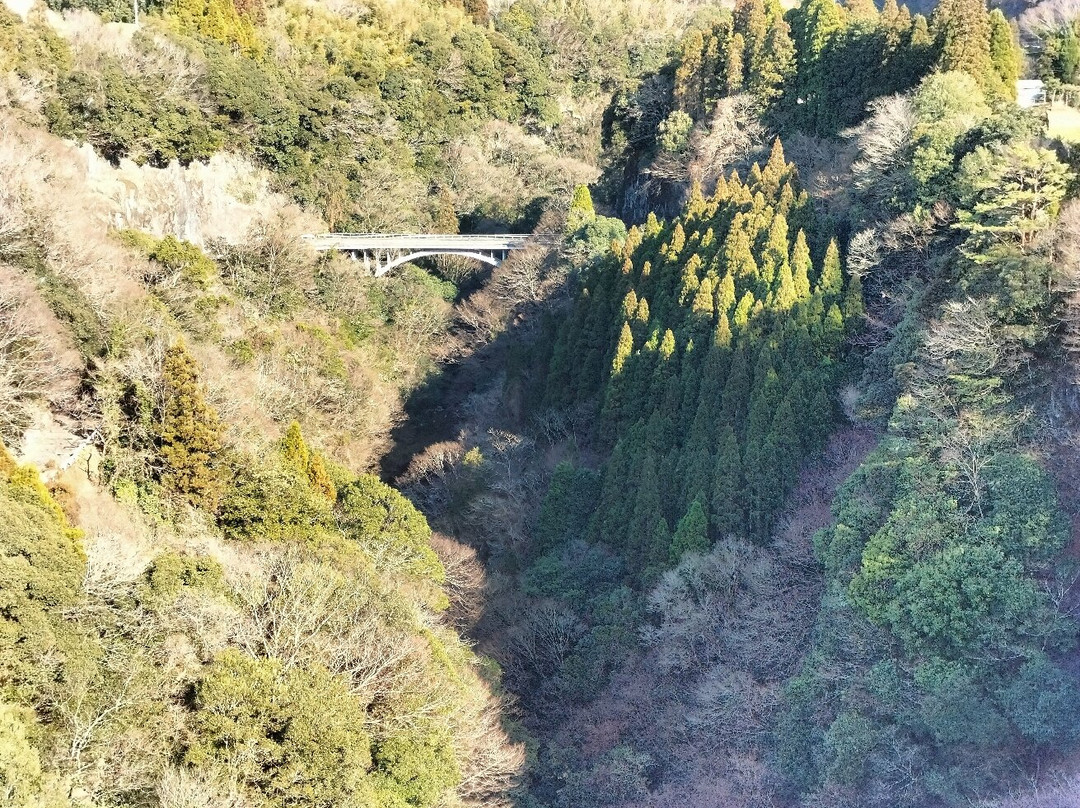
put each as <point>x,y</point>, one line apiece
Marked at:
<point>348,394</point>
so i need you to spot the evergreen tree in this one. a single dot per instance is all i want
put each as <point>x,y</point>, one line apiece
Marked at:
<point>776,251</point>
<point>785,296</point>
<point>737,391</point>
<point>581,210</point>
<point>661,538</point>
<point>733,69</point>
<point>725,293</point>
<point>784,436</point>
<point>690,281</point>
<point>752,23</point>
<point>691,534</point>
<point>854,308</point>
<point>641,314</point>
<point>722,332</point>
<point>703,303</point>
<point>772,77</point>
<point>831,282</point>
<point>667,345</point>
<point>801,266</point>
<point>319,477</point>
<point>963,29</point>
<point>648,505</point>
<point>861,11</point>
<point>727,490</point>
<point>622,350</point>
<point>818,23</point>
<point>833,328</point>
<point>294,449</point>
<point>689,76</point>
<point>1005,54</point>
<point>721,289</point>
<point>190,434</point>
<point>743,310</point>
<point>775,172</point>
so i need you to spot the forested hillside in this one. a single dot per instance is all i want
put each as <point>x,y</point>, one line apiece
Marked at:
<point>205,609</point>
<point>758,489</point>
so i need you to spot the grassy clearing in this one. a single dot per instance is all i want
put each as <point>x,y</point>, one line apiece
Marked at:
<point>1064,123</point>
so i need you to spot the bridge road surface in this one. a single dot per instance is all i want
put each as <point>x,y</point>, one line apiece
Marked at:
<point>387,251</point>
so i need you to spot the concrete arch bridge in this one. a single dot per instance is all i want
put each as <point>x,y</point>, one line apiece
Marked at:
<point>384,252</point>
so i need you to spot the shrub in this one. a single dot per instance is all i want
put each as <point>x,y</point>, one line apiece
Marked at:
<point>41,571</point>
<point>271,501</point>
<point>23,783</point>
<point>387,525</point>
<point>170,572</point>
<point>416,766</point>
<point>187,259</point>
<point>294,735</point>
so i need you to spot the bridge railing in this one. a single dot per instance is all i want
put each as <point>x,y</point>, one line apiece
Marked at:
<point>415,240</point>
<point>440,236</point>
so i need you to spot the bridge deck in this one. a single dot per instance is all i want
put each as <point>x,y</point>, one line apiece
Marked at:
<point>369,241</point>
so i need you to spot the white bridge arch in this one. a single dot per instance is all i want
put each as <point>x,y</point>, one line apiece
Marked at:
<point>383,252</point>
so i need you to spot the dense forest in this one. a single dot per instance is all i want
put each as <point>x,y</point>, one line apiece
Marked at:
<point>756,487</point>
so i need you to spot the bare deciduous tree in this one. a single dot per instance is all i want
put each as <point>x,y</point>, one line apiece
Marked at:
<point>188,787</point>
<point>465,580</point>
<point>734,130</point>
<point>27,367</point>
<point>883,139</point>
<point>537,645</point>
<point>490,763</point>
<point>967,338</point>
<point>864,252</point>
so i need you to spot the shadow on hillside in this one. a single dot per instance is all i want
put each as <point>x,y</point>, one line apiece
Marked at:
<point>433,412</point>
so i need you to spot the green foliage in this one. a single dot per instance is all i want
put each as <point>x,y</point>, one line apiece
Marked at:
<point>189,432</point>
<point>272,501</point>
<point>187,259</point>
<point>294,734</point>
<point>32,50</point>
<point>1060,56</point>
<point>216,19</point>
<point>673,134</point>
<point>1009,192</point>
<point>700,360</point>
<point>41,571</point>
<point>170,572</point>
<point>1006,56</point>
<point>947,540</point>
<point>128,116</point>
<point>1043,702</point>
<point>388,527</point>
<point>416,767</point>
<point>309,463</point>
<point>581,210</point>
<point>567,506</point>
<point>691,534</point>
<point>818,66</point>
<point>594,238</point>
<point>947,105</point>
<point>294,449</point>
<point>23,782</point>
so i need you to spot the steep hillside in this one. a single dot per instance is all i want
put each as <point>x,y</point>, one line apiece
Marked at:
<point>760,495</point>
<point>661,610</point>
